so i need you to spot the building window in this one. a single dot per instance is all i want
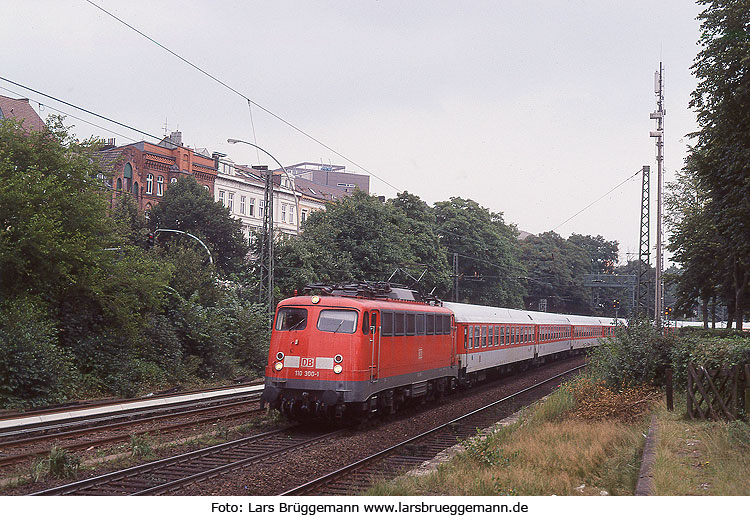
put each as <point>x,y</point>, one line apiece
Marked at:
<point>304,217</point>
<point>119,184</point>
<point>128,171</point>
<point>173,180</point>
<point>283,213</point>
<point>135,190</point>
<point>230,202</point>
<point>150,184</point>
<point>242,205</point>
<point>261,209</point>
<point>221,197</point>
<point>208,189</point>
<point>251,207</point>
<point>291,213</point>
<point>160,185</point>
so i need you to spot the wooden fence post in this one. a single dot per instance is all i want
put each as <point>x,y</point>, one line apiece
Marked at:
<point>690,390</point>
<point>670,391</point>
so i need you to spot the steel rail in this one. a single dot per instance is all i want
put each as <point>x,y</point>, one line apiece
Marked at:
<point>113,402</point>
<point>107,416</point>
<point>13,459</point>
<point>144,417</point>
<point>325,479</point>
<point>191,458</point>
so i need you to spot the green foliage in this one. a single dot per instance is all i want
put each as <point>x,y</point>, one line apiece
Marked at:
<point>489,269</point>
<point>188,207</point>
<point>556,267</point>
<point>34,369</point>
<point>720,160</point>
<point>63,464</point>
<point>637,354</point>
<point>709,352</point>
<point>141,446</point>
<point>484,450</point>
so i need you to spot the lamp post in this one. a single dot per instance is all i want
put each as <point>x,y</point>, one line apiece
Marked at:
<point>288,177</point>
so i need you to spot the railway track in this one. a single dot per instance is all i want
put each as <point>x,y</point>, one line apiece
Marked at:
<point>386,464</point>
<point>175,472</point>
<point>24,444</point>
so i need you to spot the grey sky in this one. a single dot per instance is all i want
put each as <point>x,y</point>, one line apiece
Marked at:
<point>532,108</point>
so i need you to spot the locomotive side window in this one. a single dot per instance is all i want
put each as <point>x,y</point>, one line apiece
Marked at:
<point>420,324</point>
<point>386,323</point>
<point>291,319</point>
<point>431,324</point>
<point>398,323</point>
<point>411,324</point>
<point>446,324</point>
<point>337,321</point>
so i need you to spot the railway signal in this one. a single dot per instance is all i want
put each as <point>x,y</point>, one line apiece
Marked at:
<point>616,304</point>
<point>150,240</point>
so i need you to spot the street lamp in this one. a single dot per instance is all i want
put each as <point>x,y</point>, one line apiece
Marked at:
<point>288,177</point>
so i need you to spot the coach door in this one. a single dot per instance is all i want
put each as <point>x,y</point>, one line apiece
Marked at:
<point>374,340</point>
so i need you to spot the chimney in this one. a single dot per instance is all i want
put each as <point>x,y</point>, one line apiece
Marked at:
<point>175,138</point>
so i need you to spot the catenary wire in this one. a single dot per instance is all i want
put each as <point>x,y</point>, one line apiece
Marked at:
<point>249,100</point>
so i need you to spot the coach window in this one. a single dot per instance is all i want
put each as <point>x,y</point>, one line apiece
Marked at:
<point>386,323</point>
<point>497,336</point>
<point>484,336</point>
<point>337,321</point>
<point>398,323</point>
<point>291,319</point>
<point>420,324</point>
<point>431,324</point>
<point>477,333</point>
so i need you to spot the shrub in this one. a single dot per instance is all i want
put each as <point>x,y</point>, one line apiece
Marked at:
<point>34,369</point>
<point>637,354</point>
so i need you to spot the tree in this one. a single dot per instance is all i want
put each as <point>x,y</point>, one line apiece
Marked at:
<point>721,157</point>
<point>695,243</point>
<point>556,267</point>
<point>188,207</point>
<point>488,250</point>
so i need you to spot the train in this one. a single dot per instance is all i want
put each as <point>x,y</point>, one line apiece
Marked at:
<point>355,351</point>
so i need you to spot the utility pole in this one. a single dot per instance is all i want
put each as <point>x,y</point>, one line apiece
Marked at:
<point>455,278</point>
<point>266,283</point>
<point>659,135</point>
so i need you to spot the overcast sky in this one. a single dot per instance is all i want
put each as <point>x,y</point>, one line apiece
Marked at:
<point>532,108</point>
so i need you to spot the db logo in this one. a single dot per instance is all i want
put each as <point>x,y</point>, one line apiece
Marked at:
<point>308,362</point>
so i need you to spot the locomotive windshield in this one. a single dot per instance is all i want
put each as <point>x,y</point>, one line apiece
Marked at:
<point>337,321</point>
<point>291,319</point>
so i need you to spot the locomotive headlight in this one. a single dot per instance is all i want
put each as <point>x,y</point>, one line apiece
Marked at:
<point>338,358</point>
<point>280,356</point>
<point>337,369</point>
<point>278,366</point>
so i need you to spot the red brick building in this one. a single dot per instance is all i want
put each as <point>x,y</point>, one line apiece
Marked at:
<point>20,109</point>
<point>146,170</point>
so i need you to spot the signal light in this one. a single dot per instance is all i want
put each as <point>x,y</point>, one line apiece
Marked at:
<point>150,239</point>
<point>615,304</point>
<point>667,310</point>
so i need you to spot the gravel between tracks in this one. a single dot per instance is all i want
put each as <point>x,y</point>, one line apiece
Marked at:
<point>287,471</point>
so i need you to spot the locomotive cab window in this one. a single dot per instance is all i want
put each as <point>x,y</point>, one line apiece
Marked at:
<point>291,319</point>
<point>337,321</point>
<point>431,324</point>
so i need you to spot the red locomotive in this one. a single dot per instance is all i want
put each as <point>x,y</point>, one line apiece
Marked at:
<point>365,349</point>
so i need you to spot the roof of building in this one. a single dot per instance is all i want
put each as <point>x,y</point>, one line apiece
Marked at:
<point>318,191</point>
<point>20,109</point>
